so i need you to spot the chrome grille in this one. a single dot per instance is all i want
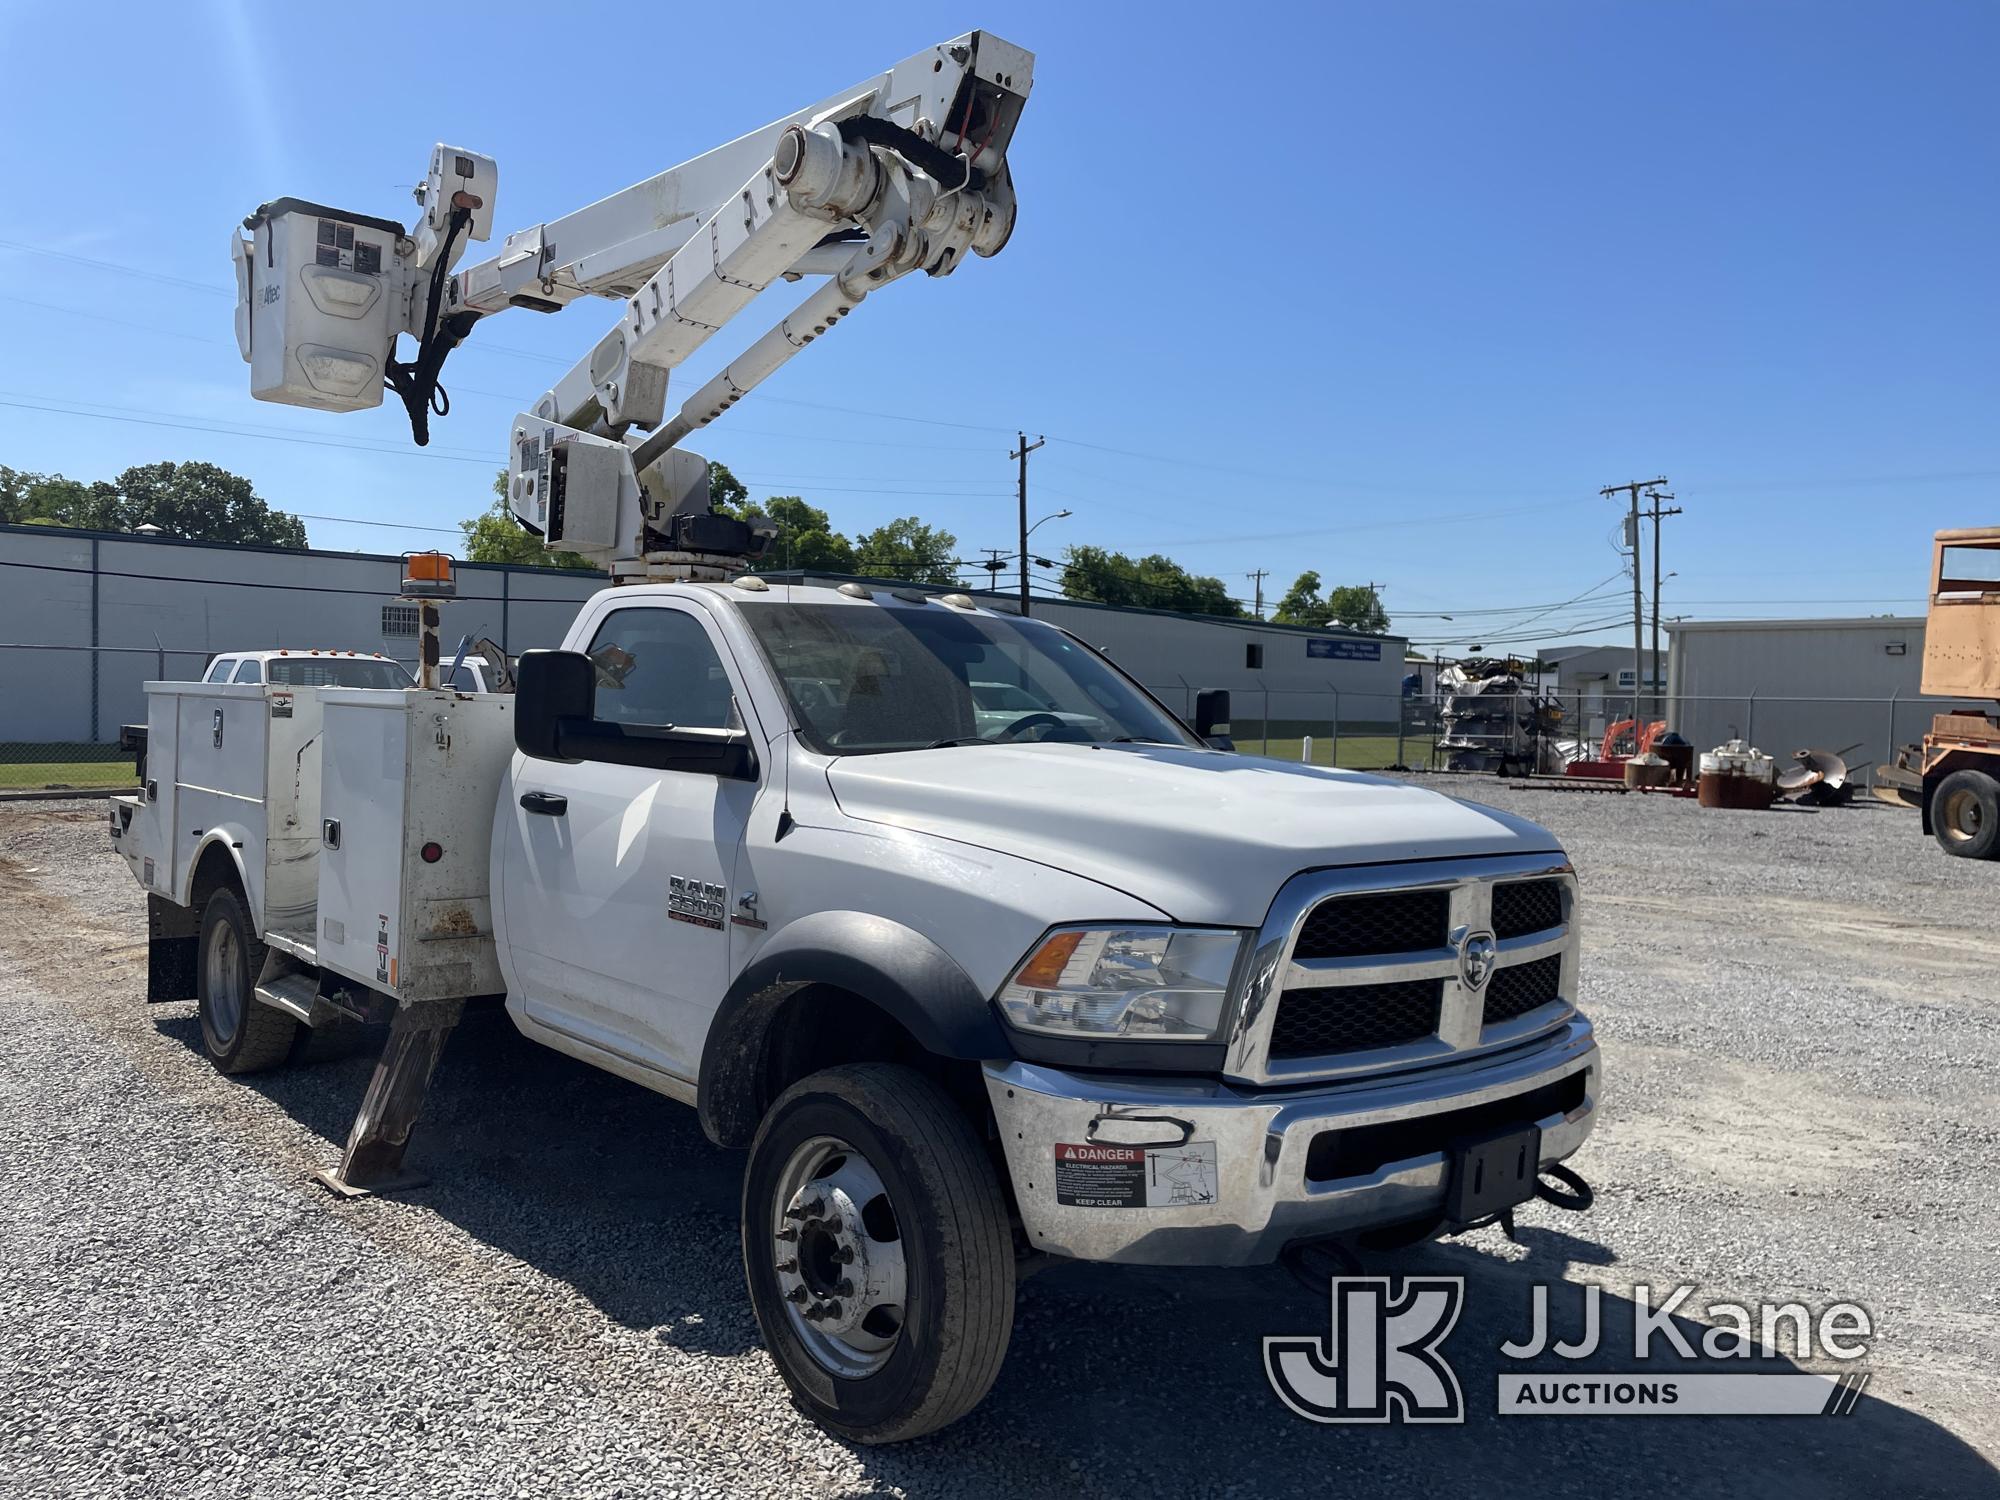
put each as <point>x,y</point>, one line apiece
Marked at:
<point>1524,906</point>
<point>1391,922</point>
<point>1355,1018</point>
<point>1515,991</point>
<point>1359,971</point>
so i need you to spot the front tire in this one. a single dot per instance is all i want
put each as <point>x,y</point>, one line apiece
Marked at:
<point>239,1032</point>
<point>1965,815</point>
<point>878,1250</point>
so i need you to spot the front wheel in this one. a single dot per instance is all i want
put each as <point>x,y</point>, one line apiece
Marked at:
<point>1965,815</point>
<point>878,1250</point>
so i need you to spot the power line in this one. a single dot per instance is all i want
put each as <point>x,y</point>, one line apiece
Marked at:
<point>274,437</point>
<point>106,265</point>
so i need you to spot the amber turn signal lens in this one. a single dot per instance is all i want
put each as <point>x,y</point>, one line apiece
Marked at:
<point>1044,970</point>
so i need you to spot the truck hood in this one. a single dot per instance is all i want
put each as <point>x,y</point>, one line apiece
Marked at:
<point>1205,837</point>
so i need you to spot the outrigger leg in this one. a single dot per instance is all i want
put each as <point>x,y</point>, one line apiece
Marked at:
<point>373,1160</point>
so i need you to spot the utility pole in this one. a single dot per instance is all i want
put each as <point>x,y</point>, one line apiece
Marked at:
<point>1656,511</point>
<point>1257,577</point>
<point>1022,454</point>
<point>1638,604</point>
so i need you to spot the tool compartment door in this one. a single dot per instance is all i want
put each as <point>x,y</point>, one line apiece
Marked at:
<point>364,778</point>
<point>219,746</point>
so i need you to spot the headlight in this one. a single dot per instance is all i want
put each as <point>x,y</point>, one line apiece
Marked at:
<point>1156,983</point>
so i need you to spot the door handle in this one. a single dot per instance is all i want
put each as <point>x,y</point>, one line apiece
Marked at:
<point>548,803</point>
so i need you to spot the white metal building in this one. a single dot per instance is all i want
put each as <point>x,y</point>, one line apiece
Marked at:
<point>129,609</point>
<point>87,617</point>
<point>1796,684</point>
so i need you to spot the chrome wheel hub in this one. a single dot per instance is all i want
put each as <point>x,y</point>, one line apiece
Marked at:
<point>221,966</point>
<point>838,1255</point>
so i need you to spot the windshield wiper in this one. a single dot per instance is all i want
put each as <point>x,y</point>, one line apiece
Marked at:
<point>1136,739</point>
<point>972,739</point>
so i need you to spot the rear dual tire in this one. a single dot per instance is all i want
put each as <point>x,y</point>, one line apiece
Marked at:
<point>239,1032</point>
<point>879,1252</point>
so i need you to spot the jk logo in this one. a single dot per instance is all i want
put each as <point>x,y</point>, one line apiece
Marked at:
<point>1380,1361</point>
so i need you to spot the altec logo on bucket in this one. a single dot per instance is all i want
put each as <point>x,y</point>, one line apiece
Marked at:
<point>1382,1359</point>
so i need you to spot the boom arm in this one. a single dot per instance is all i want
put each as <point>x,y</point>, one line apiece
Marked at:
<point>905,171</point>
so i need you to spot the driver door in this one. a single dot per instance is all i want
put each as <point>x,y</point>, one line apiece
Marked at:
<point>618,889</point>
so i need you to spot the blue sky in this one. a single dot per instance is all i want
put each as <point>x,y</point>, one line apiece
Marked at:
<point>1385,290</point>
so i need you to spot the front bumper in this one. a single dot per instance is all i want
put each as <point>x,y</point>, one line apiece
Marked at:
<point>1111,1168</point>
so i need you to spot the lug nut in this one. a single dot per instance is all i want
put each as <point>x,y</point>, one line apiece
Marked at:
<point>789,1233</point>
<point>845,1289</point>
<point>798,1294</point>
<point>816,1313</point>
<point>788,1265</point>
<point>844,1255</point>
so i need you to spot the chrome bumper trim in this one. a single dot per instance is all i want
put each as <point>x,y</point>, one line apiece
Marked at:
<point>1264,1200</point>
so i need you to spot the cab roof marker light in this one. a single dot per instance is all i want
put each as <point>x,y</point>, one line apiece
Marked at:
<point>750,583</point>
<point>854,591</point>
<point>957,601</point>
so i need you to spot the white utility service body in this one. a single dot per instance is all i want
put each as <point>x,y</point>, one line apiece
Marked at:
<point>322,802</point>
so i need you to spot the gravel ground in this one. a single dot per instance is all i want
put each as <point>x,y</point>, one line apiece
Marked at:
<point>1801,1034</point>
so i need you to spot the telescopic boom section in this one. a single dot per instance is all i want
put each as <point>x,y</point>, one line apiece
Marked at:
<point>906,171</point>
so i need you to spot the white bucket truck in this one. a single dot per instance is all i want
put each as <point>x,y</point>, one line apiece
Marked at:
<point>981,952</point>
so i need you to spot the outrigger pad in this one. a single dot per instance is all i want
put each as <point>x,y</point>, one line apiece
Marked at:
<point>373,1160</point>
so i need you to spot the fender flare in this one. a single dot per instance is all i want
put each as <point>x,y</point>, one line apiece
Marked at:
<point>226,839</point>
<point>897,968</point>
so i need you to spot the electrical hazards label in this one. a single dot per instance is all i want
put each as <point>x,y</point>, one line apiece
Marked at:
<point>1106,1176</point>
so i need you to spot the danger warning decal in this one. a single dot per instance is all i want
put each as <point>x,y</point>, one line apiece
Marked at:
<point>1104,1176</point>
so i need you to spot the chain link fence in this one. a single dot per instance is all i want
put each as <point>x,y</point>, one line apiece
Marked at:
<point>62,709</point>
<point>1444,731</point>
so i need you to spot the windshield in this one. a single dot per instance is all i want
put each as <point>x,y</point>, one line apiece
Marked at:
<point>328,671</point>
<point>866,680</point>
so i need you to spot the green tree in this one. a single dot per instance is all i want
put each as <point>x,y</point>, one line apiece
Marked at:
<point>1101,576</point>
<point>1358,607</point>
<point>729,495</point>
<point>52,500</point>
<point>1302,604</point>
<point>806,538</point>
<point>193,500</point>
<point>907,550</point>
<point>1355,606</point>
<point>202,502</point>
<point>494,536</point>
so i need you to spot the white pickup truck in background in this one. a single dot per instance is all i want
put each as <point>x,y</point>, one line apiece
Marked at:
<point>970,991</point>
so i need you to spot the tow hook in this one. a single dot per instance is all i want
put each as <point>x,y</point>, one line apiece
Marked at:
<point>1574,1196</point>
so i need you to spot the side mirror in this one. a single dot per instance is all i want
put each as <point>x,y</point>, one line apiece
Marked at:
<point>550,687</point>
<point>1211,718</point>
<point>555,704</point>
